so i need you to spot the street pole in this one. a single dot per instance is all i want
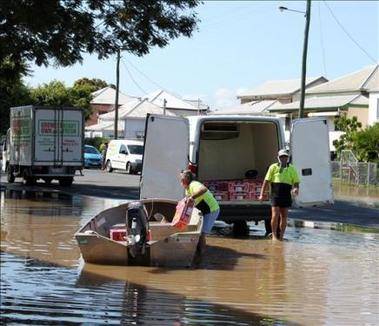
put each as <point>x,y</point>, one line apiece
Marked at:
<point>304,61</point>
<point>116,99</point>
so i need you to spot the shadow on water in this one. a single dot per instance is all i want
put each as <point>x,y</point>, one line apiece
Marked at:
<point>57,295</point>
<point>140,305</point>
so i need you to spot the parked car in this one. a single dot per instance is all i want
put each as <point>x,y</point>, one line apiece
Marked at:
<point>124,154</point>
<point>92,157</point>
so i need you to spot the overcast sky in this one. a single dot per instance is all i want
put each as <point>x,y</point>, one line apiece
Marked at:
<point>238,46</point>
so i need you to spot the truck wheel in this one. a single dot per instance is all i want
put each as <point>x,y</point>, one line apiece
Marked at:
<point>30,181</point>
<point>66,182</point>
<point>240,228</point>
<point>10,175</point>
<point>128,168</point>
<point>108,166</point>
<point>47,180</point>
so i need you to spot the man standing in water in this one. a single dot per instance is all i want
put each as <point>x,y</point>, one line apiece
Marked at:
<point>283,178</point>
<point>204,201</point>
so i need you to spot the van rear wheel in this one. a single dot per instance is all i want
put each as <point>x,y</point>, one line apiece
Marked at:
<point>108,166</point>
<point>128,168</point>
<point>240,229</point>
<point>66,182</point>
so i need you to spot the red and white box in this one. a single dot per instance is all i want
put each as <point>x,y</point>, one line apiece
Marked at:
<point>183,213</point>
<point>221,195</point>
<point>117,234</point>
<point>238,186</point>
<point>239,195</point>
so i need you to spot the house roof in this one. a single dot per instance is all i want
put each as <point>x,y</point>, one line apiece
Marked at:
<point>254,107</point>
<point>172,101</point>
<point>145,107</point>
<point>105,125</point>
<point>279,87</point>
<point>322,103</point>
<point>107,96</point>
<point>365,79</point>
<point>135,109</point>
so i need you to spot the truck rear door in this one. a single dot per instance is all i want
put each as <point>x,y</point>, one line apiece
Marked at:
<point>311,156</point>
<point>58,136</point>
<point>165,155</point>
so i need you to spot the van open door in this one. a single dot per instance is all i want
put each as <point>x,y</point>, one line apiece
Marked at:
<point>311,156</point>
<point>165,155</point>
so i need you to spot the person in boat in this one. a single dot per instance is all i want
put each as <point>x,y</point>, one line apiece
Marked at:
<point>283,179</point>
<point>204,201</point>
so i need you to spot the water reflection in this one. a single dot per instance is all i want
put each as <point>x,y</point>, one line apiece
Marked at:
<point>317,276</point>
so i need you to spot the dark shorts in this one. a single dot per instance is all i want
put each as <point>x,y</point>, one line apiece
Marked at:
<point>281,202</point>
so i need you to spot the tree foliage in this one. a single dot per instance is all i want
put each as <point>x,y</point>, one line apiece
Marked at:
<point>60,31</point>
<point>13,91</point>
<point>350,127</point>
<point>56,93</point>
<point>363,143</point>
<point>366,144</point>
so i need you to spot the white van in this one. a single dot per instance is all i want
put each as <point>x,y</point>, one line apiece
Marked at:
<point>226,147</point>
<point>124,154</point>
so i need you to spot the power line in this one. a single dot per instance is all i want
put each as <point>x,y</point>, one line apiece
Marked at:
<point>132,78</point>
<point>348,34</point>
<point>147,77</point>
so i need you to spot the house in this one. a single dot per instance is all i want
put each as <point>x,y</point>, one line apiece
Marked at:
<point>284,91</point>
<point>175,104</point>
<point>132,114</point>
<point>351,95</point>
<point>103,101</point>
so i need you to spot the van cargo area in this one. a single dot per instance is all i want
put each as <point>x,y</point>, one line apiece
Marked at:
<point>227,151</point>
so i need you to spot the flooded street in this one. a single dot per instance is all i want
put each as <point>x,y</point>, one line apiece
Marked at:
<point>317,276</point>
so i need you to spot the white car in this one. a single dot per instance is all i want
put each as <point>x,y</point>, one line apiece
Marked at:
<point>124,154</point>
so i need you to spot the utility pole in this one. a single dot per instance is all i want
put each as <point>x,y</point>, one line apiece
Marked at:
<point>117,91</point>
<point>164,106</point>
<point>304,61</point>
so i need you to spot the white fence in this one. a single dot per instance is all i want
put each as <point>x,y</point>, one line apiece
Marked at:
<point>356,172</point>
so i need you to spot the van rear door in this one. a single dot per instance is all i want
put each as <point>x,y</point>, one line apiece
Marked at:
<point>165,154</point>
<point>311,157</point>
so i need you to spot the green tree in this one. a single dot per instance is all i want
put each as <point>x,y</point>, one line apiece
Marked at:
<point>12,89</point>
<point>95,83</point>
<point>60,31</point>
<point>54,93</point>
<point>366,144</point>
<point>350,127</point>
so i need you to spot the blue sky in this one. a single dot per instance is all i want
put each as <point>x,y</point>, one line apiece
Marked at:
<point>239,45</point>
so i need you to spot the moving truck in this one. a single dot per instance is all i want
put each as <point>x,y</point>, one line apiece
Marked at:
<point>226,148</point>
<point>44,142</point>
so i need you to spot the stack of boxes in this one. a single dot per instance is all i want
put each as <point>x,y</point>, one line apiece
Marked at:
<point>236,190</point>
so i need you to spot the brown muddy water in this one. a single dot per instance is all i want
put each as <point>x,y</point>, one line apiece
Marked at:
<point>317,276</point>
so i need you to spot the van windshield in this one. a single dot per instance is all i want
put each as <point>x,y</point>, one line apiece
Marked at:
<point>135,149</point>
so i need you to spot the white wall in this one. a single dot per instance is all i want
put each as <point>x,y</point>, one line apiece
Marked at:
<point>373,109</point>
<point>134,128</point>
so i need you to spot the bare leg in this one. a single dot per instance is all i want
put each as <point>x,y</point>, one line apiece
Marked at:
<point>283,221</point>
<point>275,215</point>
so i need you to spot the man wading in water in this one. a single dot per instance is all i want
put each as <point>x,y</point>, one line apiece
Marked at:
<point>283,178</point>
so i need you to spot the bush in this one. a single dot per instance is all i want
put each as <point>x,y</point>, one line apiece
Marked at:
<point>96,142</point>
<point>365,144</point>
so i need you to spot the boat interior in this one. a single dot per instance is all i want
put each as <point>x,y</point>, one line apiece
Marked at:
<point>160,214</point>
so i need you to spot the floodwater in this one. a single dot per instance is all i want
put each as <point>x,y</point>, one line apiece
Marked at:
<point>317,276</point>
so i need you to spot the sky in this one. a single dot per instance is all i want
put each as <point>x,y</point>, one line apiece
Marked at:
<point>238,46</point>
